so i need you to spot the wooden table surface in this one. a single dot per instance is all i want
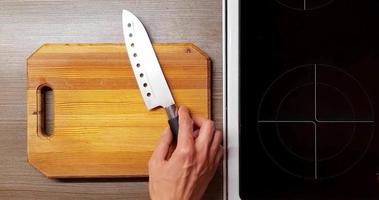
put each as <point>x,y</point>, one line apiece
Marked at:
<point>27,24</point>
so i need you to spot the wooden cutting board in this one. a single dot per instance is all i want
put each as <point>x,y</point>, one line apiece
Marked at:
<point>100,126</point>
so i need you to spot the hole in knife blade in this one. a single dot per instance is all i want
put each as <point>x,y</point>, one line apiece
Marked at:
<point>132,44</point>
<point>130,35</point>
<point>129,25</point>
<point>138,65</point>
<point>141,75</point>
<point>148,94</point>
<point>135,55</point>
<point>144,84</point>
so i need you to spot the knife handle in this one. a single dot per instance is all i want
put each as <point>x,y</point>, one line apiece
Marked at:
<point>174,126</point>
<point>173,120</point>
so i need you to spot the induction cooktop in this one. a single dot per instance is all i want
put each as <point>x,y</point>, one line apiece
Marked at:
<point>309,93</point>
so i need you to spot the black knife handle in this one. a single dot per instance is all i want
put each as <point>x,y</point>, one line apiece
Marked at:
<point>174,126</point>
<point>173,120</point>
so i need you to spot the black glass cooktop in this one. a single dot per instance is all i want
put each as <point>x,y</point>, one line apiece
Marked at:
<point>309,99</point>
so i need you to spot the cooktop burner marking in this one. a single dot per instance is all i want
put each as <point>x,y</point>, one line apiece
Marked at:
<point>316,121</point>
<point>304,5</point>
<point>331,121</point>
<point>315,138</point>
<point>316,160</point>
<point>293,91</point>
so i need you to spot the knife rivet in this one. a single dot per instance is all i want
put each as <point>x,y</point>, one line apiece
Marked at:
<point>135,55</point>
<point>144,84</point>
<point>148,94</point>
<point>138,65</point>
<point>141,75</point>
<point>130,35</point>
<point>129,24</point>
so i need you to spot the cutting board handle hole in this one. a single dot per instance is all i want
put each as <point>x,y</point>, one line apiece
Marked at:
<point>45,110</point>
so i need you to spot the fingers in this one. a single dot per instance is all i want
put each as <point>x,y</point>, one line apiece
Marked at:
<point>163,146</point>
<point>215,146</point>
<point>195,134</point>
<point>206,151</point>
<point>204,140</point>
<point>185,135</point>
<point>219,155</point>
<point>206,133</point>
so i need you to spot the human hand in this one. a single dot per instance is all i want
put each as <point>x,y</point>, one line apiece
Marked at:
<point>187,172</point>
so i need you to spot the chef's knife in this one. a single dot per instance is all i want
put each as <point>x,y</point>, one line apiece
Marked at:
<point>147,70</point>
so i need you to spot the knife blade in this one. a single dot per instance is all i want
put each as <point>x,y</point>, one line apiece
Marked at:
<point>147,70</point>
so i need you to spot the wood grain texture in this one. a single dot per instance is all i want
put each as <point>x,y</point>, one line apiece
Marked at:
<point>101,125</point>
<point>27,24</point>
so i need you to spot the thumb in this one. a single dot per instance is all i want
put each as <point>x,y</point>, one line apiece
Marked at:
<point>163,146</point>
